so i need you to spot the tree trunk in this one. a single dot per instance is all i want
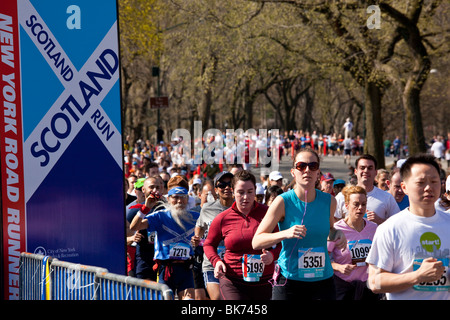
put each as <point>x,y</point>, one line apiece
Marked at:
<point>208,91</point>
<point>373,141</point>
<point>413,87</point>
<point>249,99</point>
<point>207,103</point>
<point>414,128</point>
<point>309,106</point>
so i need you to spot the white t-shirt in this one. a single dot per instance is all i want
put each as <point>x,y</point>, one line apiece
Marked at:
<point>406,237</point>
<point>378,201</point>
<point>438,149</point>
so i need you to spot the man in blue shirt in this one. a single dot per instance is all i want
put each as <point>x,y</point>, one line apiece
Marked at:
<point>397,144</point>
<point>174,226</point>
<point>395,188</point>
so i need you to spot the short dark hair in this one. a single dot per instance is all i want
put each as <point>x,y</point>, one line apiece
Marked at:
<point>243,175</point>
<point>275,190</point>
<point>367,157</point>
<point>422,158</point>
<point>393,172</point>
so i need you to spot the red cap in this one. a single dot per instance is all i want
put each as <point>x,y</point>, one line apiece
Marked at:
<point>327,177</point>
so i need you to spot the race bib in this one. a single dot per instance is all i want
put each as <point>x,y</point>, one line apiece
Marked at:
<point>311,262</point>
<point>359,250</point>
<point>442,284</point>
<point>252,267</point>
<point>151,237</point>
<point>179,251</point>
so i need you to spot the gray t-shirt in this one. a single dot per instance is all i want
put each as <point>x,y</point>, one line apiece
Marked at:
<point>209,211</point>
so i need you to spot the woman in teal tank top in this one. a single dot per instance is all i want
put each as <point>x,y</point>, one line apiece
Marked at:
<point>305,217</point>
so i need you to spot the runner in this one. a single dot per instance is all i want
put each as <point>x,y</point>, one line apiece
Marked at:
<point>350,269</point>
<point>305,217</point>
<point>395,188</point>
<point>210,210</point>
<point>243,272</point>
<point>410,251</point>
<point>380,204</point>
<point>174,225</point>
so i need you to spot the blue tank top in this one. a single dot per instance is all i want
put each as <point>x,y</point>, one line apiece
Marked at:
<point>306,259</point>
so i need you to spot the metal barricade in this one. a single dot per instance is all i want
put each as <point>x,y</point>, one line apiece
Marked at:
<point>46,278</point>
<point>72,281</point>
<point>118,287</point>
<point>34,278</point>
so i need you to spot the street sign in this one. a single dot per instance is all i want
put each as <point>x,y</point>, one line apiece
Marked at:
<point>159,102</point>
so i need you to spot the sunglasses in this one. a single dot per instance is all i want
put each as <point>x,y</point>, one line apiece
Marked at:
<point>313,166</point>
<point>223,185</point>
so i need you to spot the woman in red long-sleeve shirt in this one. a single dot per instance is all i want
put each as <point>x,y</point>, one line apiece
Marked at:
<point>243,273</point>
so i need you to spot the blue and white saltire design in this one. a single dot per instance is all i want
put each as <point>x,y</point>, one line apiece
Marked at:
<point>72,139</point>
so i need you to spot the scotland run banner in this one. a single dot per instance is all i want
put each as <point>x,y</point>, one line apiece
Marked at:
<point>61,149</point>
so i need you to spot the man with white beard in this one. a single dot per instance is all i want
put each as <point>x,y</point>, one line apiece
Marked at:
<point>174,226</point>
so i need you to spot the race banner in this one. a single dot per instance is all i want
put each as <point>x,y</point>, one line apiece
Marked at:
<point>61,139</point>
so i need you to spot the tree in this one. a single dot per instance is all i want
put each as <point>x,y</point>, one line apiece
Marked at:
<point>140,50</point>
<point>408,27</point>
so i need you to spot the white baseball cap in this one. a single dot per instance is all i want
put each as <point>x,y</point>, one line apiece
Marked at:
<point>400,163</point>
<point>275,175</point>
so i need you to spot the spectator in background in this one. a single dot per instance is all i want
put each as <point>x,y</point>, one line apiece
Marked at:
<point>260,193</point>
<point>130,194</point>
<point>443,203</point>
<point>326,183</point>
<point>151,169</point>
<point>271,193</point>
<point>159,135</point>
<point>387,147</point>
<point>438,149</point>
<point>397,143</point>
<point>338,185</point>
<point>211,170</point>
<point>347,144</point>
<point>395,188</point>
<point>165,178</point>
<point>348,127</point>
<point>380,179</point>
<point>275,178</point>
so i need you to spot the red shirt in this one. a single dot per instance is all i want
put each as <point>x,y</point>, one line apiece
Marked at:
<point>237,231</point>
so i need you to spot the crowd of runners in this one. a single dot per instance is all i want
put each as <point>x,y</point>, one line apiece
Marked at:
<point>222,231</point>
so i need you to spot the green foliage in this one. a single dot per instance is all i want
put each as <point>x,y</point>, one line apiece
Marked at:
<point>233,60</point>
